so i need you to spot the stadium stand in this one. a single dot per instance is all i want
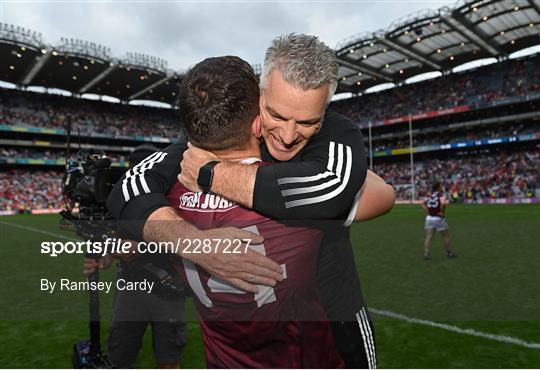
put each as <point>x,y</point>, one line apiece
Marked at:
<point>26,109</point>
<point>453,136</point>
<point>26,190</point>
<point>477,131</point>
<point>513,78</point>
<point>469,178</point>
<point>32,153</point>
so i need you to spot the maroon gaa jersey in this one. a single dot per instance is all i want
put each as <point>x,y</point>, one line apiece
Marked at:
<point>433,204</point>
<point>280,327</point>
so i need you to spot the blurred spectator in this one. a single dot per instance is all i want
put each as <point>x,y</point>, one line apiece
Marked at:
<point>24,190</point>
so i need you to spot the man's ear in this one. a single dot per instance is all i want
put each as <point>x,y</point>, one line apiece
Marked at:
<point>256,127</point>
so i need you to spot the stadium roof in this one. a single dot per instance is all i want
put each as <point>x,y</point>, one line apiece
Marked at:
<point>422,42</point>
<point>440,40</point>
<point>83,67</point>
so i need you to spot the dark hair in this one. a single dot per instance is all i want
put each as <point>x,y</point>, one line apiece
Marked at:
<point>218,101</point>
<point>436,186</point>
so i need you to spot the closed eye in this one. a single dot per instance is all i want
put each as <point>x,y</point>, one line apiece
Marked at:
<point>309,123</point>
<point>275,115</point>
<point>277,118</point>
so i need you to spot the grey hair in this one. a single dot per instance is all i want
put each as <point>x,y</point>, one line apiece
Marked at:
<point>303,60</point>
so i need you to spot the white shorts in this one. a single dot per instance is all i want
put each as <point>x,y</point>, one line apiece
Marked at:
<point>437,223</point>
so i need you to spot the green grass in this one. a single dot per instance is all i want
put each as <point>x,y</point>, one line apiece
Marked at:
<point>492,287</point>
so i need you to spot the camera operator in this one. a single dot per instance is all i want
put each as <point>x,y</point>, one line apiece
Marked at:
<point>133,310</point>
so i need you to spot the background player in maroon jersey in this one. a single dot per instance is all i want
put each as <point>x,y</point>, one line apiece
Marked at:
<point>283,326</point>
<point>435,205</point>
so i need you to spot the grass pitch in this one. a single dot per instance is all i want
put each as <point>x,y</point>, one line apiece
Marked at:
<point>492,289</point>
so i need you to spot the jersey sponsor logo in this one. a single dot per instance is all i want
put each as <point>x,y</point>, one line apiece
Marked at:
<point>205,202</point>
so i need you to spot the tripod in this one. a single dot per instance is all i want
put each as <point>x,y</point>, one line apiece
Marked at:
<point>87,353</point>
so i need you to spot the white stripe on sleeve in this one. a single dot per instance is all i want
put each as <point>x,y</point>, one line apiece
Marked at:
<point>333,193</point>
<point>138,172</point>
<point>330,164</point>
<point>311,189</point>
<point>322,175</point>
<point>130,173</point>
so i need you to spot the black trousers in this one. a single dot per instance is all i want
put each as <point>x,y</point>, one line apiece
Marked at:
<point>355,341</point>
<point>133,312</point>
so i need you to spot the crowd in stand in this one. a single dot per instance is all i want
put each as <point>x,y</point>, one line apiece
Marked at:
<point>29,109</point>
<point>473,177</point>
<point>453,136</point>
<point>24,190</point>
<point>420,139</point>
<point>501,175</point>
<point>32,153</point>
<point>488,84</point>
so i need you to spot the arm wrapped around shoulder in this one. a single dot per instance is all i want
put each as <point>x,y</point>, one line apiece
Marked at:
<point>142,189</point>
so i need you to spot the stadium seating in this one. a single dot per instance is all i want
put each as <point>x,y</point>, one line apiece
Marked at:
<point>468,174</point>
<point>490,83</point>
<point>474,177</point>
<point>32,153</point>
<point>453,136</point>
<point>24,190</point>
<point>28,109</point>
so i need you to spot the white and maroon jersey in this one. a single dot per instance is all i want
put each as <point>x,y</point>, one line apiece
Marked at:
<point>280,327</point>
<point>433,204</point>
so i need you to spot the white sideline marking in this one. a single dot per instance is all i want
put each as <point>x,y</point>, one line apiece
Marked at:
<point>38,231</point>
<point>455,329</point>
<point>394,315</point>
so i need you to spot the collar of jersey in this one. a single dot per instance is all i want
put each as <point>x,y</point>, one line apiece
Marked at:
<point>250,160</point>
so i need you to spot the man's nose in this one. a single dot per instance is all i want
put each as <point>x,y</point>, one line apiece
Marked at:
<point>288,133</point>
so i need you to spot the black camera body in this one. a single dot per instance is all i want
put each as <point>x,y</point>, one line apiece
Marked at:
<point>86,184</point>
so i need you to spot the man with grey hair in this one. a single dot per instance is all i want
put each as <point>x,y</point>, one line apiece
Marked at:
<point>294,55</point>
<point>318,172</point>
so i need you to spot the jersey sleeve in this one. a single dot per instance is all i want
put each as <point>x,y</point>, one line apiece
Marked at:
<point>325,181</point>
<point>143,188</point>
